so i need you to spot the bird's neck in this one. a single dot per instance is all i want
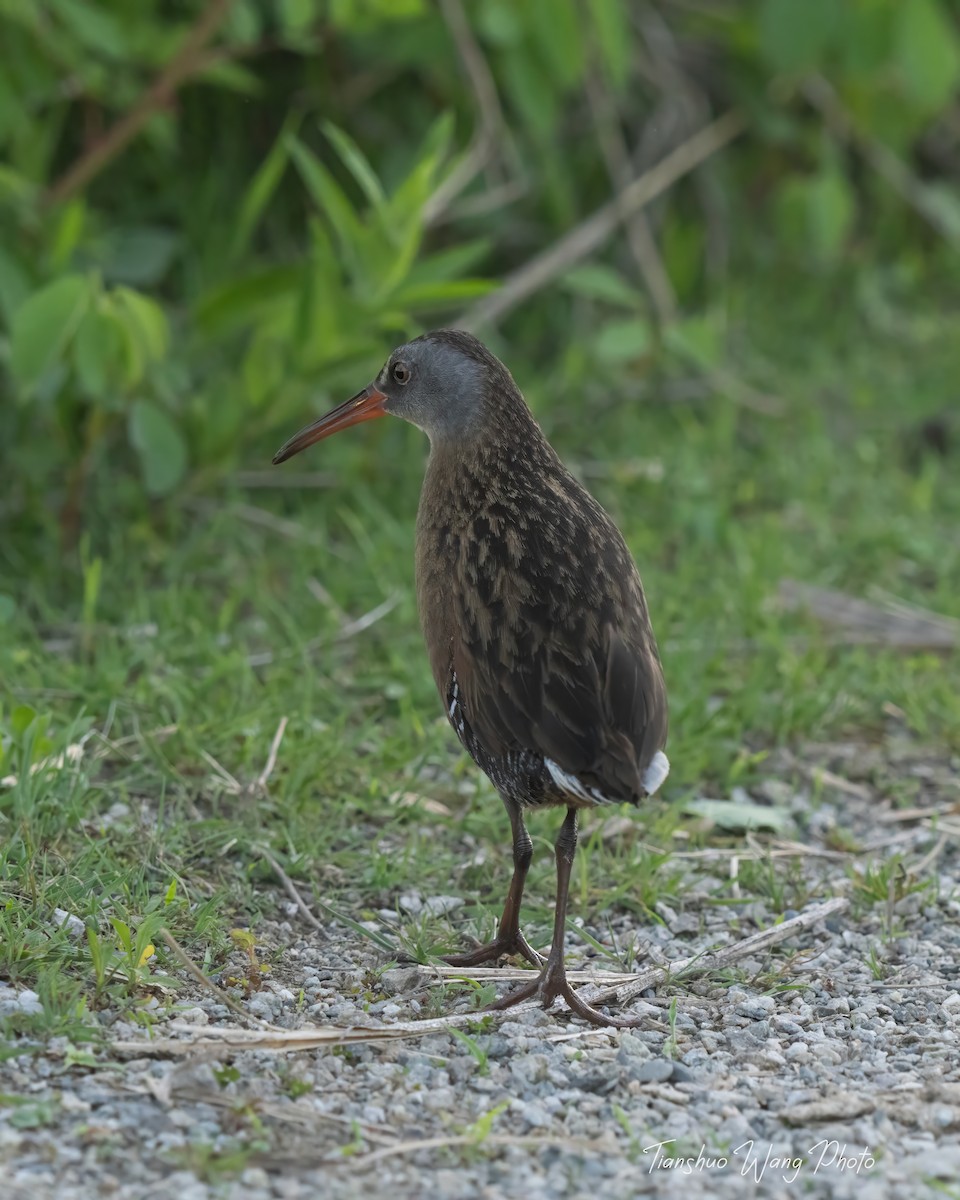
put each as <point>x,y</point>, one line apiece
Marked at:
<point>508,455</point>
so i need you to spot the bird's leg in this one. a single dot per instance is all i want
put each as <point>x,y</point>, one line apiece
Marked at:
<point>552,981</point>
<point>509,939</point>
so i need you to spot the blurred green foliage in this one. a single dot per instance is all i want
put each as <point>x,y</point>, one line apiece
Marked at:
<point>217,213</point>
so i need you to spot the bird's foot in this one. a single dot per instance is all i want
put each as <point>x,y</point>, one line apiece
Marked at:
<point>502,946</point>
<point>550,986</point>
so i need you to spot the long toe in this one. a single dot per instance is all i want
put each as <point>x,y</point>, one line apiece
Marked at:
<point>495,950</point>
<point>524,948</point>
<point>551,985</point>
<point>517,996</point>
<point>593,1015</point>
<point>555,986</point>
<point>475,958</point>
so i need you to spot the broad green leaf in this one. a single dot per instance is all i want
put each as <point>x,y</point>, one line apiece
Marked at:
<point>441,293</point>
<point>44,324</point>
<point>532,92</point>
<point>237,303</point>
<point>14,285</point>
<point>329,198</point>
<point>614,37</point>
<point>123,933</point>
<point>366,17</point>
<point>794,34</point>
<point>160,446</point>
<point>264,367</point>
<point>830,213</point>
<point>557,37</point>
<point>449,264</point>
<point>355,162</point>
<point>927,52</point>
<point>94,26</point>
<point>623,341</point>
<point>436,142</point>
<point>296,16</point>
<point>403,259</point>
<point>865,38</point>
<point>8,606</point>
<point>322,310</point>
<point>232,77</point>
<point>244,23</point>
<point>498,23</point>
<point>146,320</point>
<point>599,282</point>
<point>21,719</point>
<point>261,189</point>
<point>406,202</point>
<point>67,232</point>
<point>99,352</point>
<point>14,187</point>
<point>139,255</point>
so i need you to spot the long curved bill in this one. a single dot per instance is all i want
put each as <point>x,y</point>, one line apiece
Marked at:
<point>364,406</point>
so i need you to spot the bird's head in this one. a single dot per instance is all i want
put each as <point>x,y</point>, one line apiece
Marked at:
<point>447,383</point>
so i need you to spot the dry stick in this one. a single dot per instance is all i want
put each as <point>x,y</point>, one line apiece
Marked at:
<point>351,629</point>
<point>717,960</point>
<point>636,226</point>
<point>592,232</point>
<point>223,1040</point>
<point>291,889</point>
<point>489,112</point>
<point>189,965</point>
<point>866,623</point>
<point>881,158</point>
<point>183,64</point>
<point>272,756</point>
<point>931,856</point>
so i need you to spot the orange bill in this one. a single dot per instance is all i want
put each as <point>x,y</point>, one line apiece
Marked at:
<point>364,406</point>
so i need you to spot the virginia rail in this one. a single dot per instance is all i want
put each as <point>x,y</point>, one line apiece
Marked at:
<point>533,614</point>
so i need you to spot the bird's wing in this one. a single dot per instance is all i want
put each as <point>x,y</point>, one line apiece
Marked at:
<point>575,685</point>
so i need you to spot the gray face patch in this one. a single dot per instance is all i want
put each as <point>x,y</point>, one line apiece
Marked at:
<point>444,395</point>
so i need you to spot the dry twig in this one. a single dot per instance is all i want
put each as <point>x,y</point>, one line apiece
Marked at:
<point>591,233</point>
<point>223,997</point>
<point>186,62</point>
<point>717,960</point>
<point>218,1040</point>
<point>491,126</point>
<point>291,889</point>
<point>861,622</point>
<point>271,762</point>
<point>636,226</point>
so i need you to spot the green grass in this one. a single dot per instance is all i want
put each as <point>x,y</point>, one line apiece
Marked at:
<point>142,646</point>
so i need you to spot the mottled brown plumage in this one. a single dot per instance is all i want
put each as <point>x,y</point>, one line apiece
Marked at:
<point>532,610</point>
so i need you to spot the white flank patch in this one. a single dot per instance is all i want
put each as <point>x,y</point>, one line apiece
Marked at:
<point>572,786</point>
<point>656,773</point>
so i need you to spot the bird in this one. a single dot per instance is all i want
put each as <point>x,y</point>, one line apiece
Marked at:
<point>534,617</point>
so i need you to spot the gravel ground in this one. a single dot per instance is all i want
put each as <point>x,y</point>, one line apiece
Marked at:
<point>844,1083</point>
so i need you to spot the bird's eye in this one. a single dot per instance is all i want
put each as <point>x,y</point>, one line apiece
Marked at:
<point>400,373</point>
